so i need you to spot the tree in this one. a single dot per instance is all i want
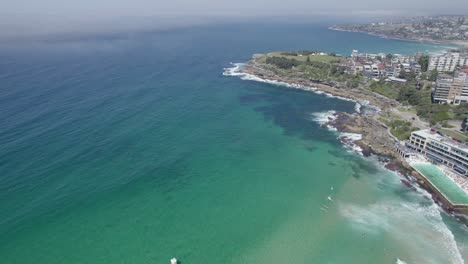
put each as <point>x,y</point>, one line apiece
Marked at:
<point>433,75</point>
<point>424,62</point>
<point>282,62</point>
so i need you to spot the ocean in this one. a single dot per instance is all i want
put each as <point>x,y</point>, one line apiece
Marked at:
<point>135,148</point>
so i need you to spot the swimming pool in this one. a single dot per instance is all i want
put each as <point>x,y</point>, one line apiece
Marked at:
<point>451,190</point>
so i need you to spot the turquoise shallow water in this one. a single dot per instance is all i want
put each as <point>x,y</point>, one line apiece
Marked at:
<point>135,149</point>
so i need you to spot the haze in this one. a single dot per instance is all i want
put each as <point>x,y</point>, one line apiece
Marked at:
<point>31,17</point>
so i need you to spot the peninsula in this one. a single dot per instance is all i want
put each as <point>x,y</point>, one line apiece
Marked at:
<point>440,29</point>
<point>395,92</point>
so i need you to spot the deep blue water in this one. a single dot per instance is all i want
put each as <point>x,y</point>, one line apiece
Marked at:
<point>134,147</point>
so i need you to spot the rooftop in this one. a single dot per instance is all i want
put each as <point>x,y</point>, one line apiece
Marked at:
<point>427,133</point>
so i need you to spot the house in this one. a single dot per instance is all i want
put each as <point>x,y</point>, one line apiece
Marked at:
<point>389,71</point>
<point>375,70</point>
<point>406,67</point>
<point>416,68</point>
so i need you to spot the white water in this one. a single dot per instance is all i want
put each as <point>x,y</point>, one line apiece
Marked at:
<point>401,220</point>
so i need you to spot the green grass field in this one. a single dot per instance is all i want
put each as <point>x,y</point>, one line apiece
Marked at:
<point>455,134</point>
<point>318,58</point>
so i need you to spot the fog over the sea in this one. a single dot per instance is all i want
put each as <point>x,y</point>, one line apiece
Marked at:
<point>32,17</point>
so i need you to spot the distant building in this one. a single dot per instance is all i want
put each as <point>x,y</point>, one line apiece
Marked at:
<point>381,65</point>
<point>377,70</point>
<point>440,149</point>
<point>448,62</point>
<point>416,68</point>
<point>406,67</point>
<point>390,72</point>
<point>452,90</point>
<point>398,58</point>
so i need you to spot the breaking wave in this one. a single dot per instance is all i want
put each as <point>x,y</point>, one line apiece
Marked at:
<point>401,221</point>
<point>348,139</point>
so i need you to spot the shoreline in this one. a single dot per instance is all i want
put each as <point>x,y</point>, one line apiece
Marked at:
<point>459,43</point>
<point>376,138</point>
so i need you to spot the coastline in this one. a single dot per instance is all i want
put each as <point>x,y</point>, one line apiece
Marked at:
<point>375,137</point>
<point>459,43</point>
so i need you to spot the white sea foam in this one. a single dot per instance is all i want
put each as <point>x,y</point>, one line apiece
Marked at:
<point>351,136</point>
<point>324,117</point>
<point>399,261</point>
<point>234,71</point>
<point>420,228</point>
<point>348,139</point>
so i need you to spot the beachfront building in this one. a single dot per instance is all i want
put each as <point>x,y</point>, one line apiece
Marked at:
<point>440,149</point>
<point>448,62</point>
<point>452,89</point>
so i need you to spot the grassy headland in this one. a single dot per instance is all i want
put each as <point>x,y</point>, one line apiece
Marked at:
<point>414,95</point>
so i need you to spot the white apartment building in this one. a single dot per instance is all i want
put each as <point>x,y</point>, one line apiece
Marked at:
<point>440,149</point>
<point>448,61</point>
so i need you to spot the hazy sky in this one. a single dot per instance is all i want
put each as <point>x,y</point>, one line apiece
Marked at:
<point>23,17</point>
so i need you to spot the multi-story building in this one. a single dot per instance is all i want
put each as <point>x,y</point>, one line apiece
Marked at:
<point>398,58</point>
<point>448,62</point>
<point>452,90</point>
<point>416,68</point>
<point>440,149</point>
